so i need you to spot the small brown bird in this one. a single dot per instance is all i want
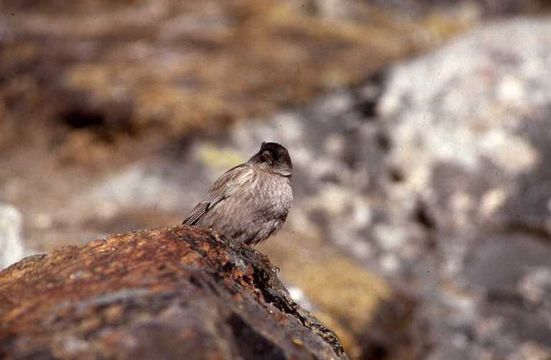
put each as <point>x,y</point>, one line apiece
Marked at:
<point>249,202</point>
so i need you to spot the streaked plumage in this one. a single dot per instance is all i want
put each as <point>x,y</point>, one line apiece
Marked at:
<point>249,202</point>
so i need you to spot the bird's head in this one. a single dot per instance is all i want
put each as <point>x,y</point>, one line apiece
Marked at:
<point>274,158</point>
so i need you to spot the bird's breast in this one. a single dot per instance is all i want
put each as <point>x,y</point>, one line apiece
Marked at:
<point>274,192</point>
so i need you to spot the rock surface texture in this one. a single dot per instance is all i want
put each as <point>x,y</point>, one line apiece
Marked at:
<point>179,293</point>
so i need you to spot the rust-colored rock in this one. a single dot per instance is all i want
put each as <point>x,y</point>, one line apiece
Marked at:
<point>176,293</point>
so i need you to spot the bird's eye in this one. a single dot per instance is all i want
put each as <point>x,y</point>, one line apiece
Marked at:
<point>266,157</point>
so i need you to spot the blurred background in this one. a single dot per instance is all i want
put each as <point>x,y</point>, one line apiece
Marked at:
<point>420,132</point>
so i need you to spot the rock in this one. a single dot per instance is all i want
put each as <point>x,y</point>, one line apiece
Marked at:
<point>11,246</point>
<point>471,146</point>
<point>470,139</point>
<point>174,293</point>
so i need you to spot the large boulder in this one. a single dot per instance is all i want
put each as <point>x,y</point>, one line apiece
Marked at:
<point>177,293</point>
<point>469,128</point>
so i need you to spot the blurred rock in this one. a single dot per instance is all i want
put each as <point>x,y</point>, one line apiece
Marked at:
<point>11,244</point>
<point>471,140</point>
<point>172,293</point>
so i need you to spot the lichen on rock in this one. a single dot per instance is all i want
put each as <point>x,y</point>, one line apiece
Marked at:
<point>173,292</point>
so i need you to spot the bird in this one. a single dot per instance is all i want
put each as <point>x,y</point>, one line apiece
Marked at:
<point>250,202</point>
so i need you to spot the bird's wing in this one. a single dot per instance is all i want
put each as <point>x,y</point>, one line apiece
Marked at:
<point>224,187</point>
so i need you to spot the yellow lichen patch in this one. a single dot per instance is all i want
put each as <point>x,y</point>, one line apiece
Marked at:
<point>439,26</point>
<point>219,158</point>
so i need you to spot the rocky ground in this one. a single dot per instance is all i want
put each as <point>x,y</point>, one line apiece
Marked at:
<point>422,219</point>
<point>179,293</point>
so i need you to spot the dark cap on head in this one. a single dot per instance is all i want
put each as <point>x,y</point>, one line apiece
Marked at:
<point>274,158</point>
